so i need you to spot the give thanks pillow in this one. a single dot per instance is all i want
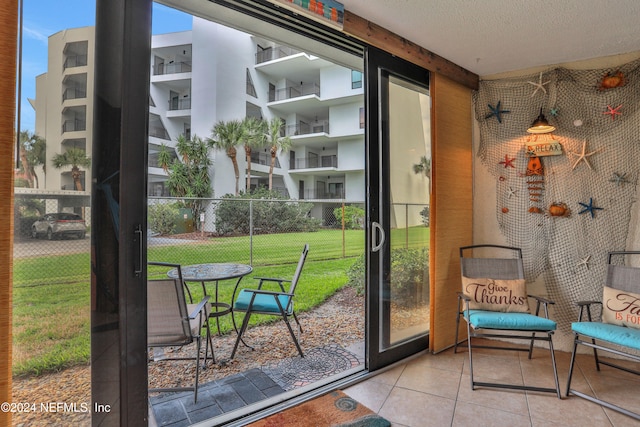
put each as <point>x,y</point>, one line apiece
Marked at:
<point>620,307</point>
<point>509,296</point>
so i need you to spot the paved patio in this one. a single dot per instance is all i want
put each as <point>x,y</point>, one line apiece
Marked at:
<point>233,392</point>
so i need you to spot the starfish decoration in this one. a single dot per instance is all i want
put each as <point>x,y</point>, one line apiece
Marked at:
<point>496,111</point>
<point>553,112</point>
<point>589,207</point>
<point>539,85</point>
<point>511,192</point>
<point>619,179</point>
<point>507,162</point>
<point>583,155</point>
<point>613,111</point>
<point>584,261</point>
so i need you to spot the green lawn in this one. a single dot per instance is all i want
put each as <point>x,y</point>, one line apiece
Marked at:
<point>51,300</point>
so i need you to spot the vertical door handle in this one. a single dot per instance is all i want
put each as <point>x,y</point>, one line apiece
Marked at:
<point>137,268</point>
<point>375,229</point>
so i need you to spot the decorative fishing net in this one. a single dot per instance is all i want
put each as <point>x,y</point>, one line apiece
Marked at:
<point>569,251</point>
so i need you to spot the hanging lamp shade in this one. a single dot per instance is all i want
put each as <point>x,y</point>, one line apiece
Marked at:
<point>541,125</point>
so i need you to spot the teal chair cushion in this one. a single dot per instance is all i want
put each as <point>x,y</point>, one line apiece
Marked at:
<point>481,319</point>
<point>263,303</point>
<point>621,335</point>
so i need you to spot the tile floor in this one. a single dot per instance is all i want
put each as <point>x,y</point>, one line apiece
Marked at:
<point>434,390</point>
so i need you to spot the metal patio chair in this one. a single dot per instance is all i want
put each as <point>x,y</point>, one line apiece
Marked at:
<point>619,335</point>
<point>275,303</point>
<point>481,275</point>
<point>172,322</point>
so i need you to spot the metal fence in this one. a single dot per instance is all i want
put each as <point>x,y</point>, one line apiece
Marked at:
<point>253,230</point>
<point>259,232</point>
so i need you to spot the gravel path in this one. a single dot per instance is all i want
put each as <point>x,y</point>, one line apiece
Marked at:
<point>340,321</point>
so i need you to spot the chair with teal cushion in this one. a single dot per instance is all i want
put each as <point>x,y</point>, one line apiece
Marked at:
<point>501,263</point>
<point>275,303</point>
<point>621,340</point>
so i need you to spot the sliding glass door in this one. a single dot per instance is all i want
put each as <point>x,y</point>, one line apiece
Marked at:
<point>398,184</point>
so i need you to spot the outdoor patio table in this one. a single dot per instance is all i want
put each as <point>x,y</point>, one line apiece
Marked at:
<point>213,272</point>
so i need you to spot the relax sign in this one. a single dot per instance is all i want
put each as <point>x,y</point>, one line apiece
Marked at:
<point>552,148</point>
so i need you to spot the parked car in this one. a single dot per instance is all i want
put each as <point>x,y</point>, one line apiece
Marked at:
<point>55,225</point>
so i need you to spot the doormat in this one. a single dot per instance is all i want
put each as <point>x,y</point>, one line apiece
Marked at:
<point>333,409</point>
<point>317,364</point>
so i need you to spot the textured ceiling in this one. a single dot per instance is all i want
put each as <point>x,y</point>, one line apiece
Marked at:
<point>495,36</point>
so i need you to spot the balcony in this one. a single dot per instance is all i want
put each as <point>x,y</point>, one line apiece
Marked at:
<point>262,158</point>
<point>322,195</point>
<point>75,61</point>
<point>303,128</point>
<point>172,68</point>
<point>273,53</point>
<point>74,125</point>
<point>154,159</point>
<point>74,93</point>
<point>315,162</point>
<point>159,132</point>
<point>296,92</point>
<point>179,104</point>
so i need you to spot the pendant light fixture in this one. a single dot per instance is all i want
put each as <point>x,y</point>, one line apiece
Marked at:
<point>541,125</point>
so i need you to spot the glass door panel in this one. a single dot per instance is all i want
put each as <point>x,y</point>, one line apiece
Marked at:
<point>398,179</point>
<point>408,284</point>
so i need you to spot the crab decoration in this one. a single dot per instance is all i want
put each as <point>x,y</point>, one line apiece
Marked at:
<point>559,209</point>
<point>610,81</point>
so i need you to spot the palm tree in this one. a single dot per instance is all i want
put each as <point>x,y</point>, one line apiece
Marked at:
<point>277,142</point>
<point>32,153</point>
<point>227,136</point>
<point>76,158</point>
<point>188,176</point>
<point>254,137</point>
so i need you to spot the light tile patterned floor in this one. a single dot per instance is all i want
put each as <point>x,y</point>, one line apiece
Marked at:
<point>435,390</point>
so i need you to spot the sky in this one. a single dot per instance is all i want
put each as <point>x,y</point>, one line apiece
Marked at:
<point>43,18</point>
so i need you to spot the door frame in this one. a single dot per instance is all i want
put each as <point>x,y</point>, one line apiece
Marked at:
<point>378,65</point>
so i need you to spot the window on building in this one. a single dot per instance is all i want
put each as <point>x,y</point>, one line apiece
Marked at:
<point>252,110</point>
<point>361,117</point>
<point>356,79</point>
<point>251,90</point>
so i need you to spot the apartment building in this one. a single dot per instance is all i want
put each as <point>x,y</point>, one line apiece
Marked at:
<point>215,73</point>
<point>64,116</point>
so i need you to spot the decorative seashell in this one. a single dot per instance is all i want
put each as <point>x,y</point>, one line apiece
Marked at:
<point>505,210</point>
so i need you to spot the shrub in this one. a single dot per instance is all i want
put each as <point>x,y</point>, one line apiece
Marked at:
<point>424,213</point>
<point>271,212</point>
<point>353,217</point>
<point>162,218</point>
<point>409,269</point>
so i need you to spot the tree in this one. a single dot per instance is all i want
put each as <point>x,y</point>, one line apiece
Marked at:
<point>227,136</point>
<point>277,143</point>
<point>32,153</point>
<point>188,175</point>
<point>254,137</point>
<point>76,158</point>
<point>423,167</point>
